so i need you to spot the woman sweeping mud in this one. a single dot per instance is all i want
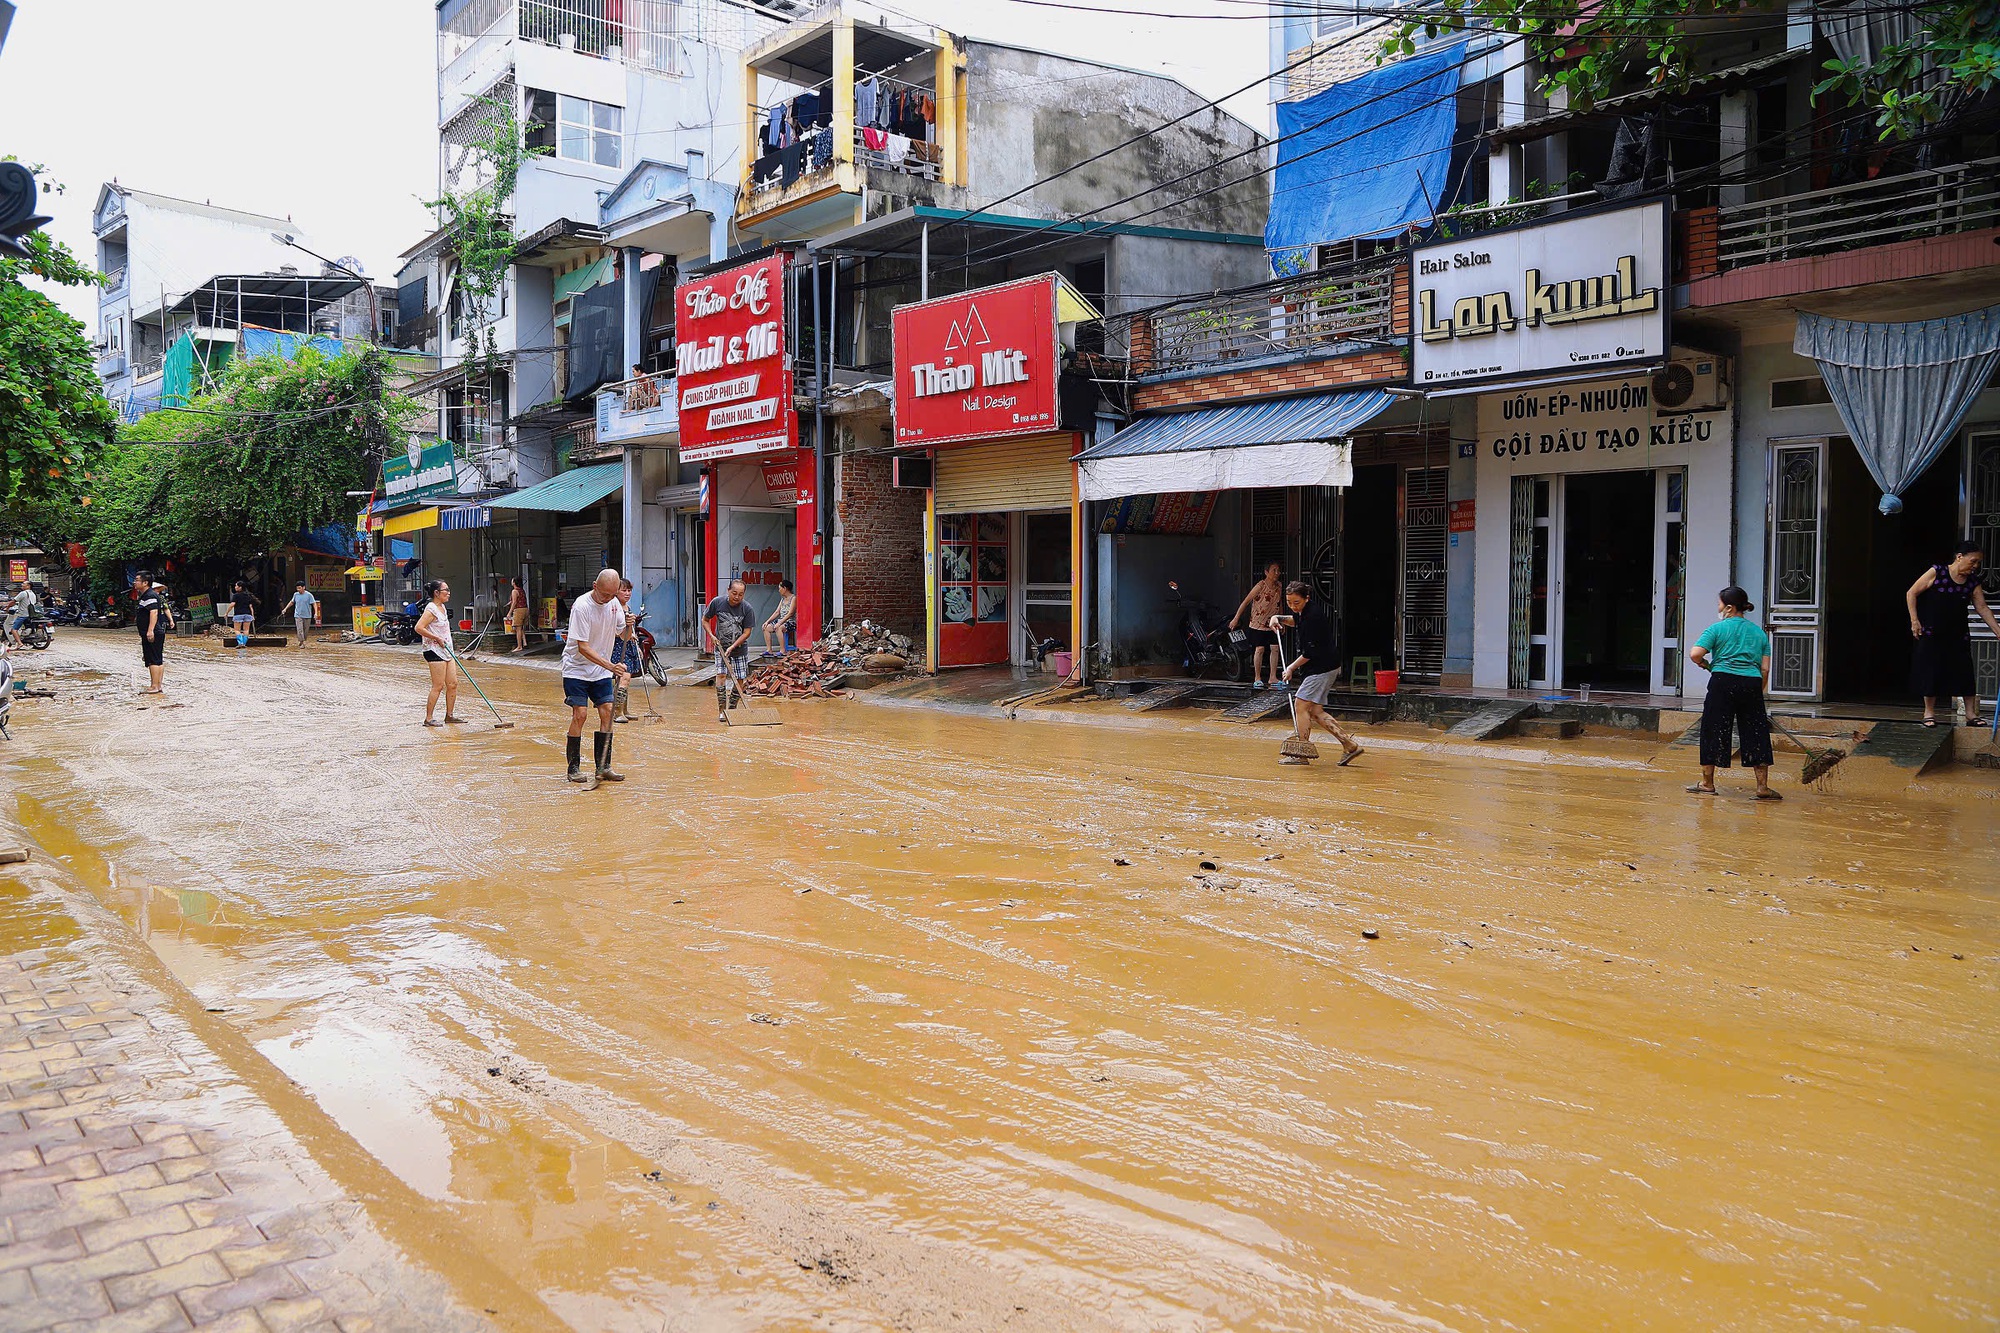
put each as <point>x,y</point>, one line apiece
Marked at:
<point>1737,655</point>
<point>434,628</point>
<point>1938,603</point>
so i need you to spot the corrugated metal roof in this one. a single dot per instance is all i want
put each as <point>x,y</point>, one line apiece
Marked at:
<point>1322,416</point>
<point>568,493</point>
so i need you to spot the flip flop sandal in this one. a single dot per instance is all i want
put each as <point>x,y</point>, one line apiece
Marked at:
<point>429,723</point>
<point>1350,756</point>
<point>1975,722</point>
<point>1769,796</point>
<point>1930,722</point>
<point>1698,790</point>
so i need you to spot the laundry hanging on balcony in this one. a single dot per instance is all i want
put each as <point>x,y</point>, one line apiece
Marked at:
<point>1902,389</point>
<point>1364,158</point>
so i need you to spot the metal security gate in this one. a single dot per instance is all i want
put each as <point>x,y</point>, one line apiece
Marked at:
<point>1982,525</point>
<point>1795,599</point>
<point>1270,514</point>
<point>1520,580</point>
<point>1319,544</point>
<point>581,553</point>
<point>1423,591</point>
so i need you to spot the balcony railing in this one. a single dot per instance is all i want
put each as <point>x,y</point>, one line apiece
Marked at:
<point>1932,201</point>
<point>647,407</point>
<point>147,366</point>
<point>640,33</point>
<point>114,284</point>
<point>1322,311</point>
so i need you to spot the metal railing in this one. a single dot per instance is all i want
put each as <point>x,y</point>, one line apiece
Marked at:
<point>1317,311</point>
<point>921,159</point>
<point>642,34</point>
<point>1931,201</point>
<point>148,365</point>
<point>114,283</point>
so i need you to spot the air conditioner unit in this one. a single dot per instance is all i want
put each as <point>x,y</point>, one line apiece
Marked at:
<point>1691,384</point>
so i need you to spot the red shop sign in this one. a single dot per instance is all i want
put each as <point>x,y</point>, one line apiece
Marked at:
<point>731,372</point>
<point>789,481</point>
<point>977,366</point>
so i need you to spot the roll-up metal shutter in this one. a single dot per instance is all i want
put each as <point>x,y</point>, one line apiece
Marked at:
<point>1031,473</point>
<point>581,551</point>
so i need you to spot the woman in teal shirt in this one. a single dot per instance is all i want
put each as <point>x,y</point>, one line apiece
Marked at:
<point>1737,655</point>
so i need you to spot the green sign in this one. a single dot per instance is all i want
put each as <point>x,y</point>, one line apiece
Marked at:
<point>201,609</point>
<point>424,470</point>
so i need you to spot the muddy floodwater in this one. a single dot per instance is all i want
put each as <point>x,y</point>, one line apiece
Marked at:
<point>895,1019</point>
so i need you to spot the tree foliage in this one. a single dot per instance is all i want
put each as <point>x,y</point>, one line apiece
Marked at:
<point>54,419</point>
<point>1590,49</point>
<point>479,229</point>
<point>271,452</point>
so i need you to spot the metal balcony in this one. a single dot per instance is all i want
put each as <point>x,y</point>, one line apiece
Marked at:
<point>1326,310</point>
<point>1933,201</point>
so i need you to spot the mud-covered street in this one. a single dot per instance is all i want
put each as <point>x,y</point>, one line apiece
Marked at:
<point>891,1018</point>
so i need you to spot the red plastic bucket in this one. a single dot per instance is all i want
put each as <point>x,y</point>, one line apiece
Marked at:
<point>465,625</point>
<point>1062,664</point>
<point>1385,682</point>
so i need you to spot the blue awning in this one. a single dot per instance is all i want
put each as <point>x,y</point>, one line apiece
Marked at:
<point>1282,442</point>
<point>1366,157</point>
<point>569,492</point>
<point>466,519</point>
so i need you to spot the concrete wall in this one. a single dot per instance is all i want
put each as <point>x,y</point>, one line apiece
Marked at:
<point>1143,270</point>
<point>1460,567</point>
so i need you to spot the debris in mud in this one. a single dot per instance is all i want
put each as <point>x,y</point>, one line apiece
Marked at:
<point>1275,856</point>
<point>1371,934</point>
<point>493,1070</point>
<point>1207,865</point>
<point>814,673</point>
<point>767,1020</point>
<point>1120,861</point>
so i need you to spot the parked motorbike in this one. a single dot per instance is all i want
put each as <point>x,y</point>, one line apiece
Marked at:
<point>648,660</point>
<point>1204,650</point>
<point>399,627</point>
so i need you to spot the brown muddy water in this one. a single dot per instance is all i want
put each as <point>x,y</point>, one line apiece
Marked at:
<point>860,1022</point>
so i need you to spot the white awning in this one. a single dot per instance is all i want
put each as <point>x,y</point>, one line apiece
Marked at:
<point>1300,463</point>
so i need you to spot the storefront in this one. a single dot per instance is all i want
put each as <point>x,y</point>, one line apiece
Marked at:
<point>1604,455</point>
<point>977,382</point>
<point>738,423</point>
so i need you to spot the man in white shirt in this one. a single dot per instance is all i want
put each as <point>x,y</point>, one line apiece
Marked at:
<point>590,675</point>
<point>24,607</point>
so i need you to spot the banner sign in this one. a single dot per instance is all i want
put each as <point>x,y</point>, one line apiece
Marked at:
<point>1180,514</point>
<point>1575,294</point>
<point>981,365</point>
<point>201,609</point>
<point>326,578</point>
<point>732,377</point>
<point>789,481</point>
<point>17,571</point>
<point>425,469</point>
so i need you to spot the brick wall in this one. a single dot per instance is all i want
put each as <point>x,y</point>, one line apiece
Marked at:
<point>1697,252</point>
<point>1272,381</point>
<point>882,545</point>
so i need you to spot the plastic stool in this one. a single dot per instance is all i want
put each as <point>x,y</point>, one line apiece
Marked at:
<point>1364,681</point>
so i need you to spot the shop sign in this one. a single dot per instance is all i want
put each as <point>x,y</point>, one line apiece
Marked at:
<point>201,609</point>
<point>978,366</point>
<point>326,578</point>
<point>1179,514</point>
<point>1578,293</point>
<point>1588,426</point>
<point>1461,519</point>
<point>758,566</point>
<point>423,470</point>
<point>789,481</point>
<point>733,381</point>
<point>17,571</point>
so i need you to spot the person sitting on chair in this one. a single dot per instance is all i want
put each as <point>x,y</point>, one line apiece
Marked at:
<point>784,620</point>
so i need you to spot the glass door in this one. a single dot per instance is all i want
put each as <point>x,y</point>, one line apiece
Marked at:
<point>1669,577</point>
<point>1795,602</point>
<point>1534,648</point>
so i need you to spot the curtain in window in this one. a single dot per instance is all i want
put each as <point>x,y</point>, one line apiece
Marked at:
<point>1902,389</point>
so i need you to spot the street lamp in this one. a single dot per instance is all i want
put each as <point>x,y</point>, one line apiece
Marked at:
<point>374,309</point>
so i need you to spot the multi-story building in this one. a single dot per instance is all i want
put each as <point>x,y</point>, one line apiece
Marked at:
<point>1542,486</point>
<point>172,267</point>
<point>884,161</point>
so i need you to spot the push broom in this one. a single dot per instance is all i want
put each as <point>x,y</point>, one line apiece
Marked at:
<point>1818,762</point>
<point>1296,749</point>
<point>499,723</point>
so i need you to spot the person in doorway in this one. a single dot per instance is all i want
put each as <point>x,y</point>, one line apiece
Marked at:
<point>784,621</point>
<point>591,675</point>
<point>728,619</point>
<point>20,612</point>
<point>518,617</point>
<point>305,612</point>
<point>434,631</point>
<point>1736,652</point>
<point>1266,598</point>
<point>625,653</point>
<point>1938,603</point>
<point>150,605</point>
<point>1314,669</point>
<point>243,612</point>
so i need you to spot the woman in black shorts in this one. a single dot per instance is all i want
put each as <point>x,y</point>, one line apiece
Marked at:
<point>434,628</point>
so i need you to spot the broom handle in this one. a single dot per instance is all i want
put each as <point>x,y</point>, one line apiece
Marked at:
<point>1811,753</point>
<point>476,690</point>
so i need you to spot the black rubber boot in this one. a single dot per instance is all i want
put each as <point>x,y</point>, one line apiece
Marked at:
<point>600,745</point>
<point>575,748</point>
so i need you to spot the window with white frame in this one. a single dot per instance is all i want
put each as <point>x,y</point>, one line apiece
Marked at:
<point>588,131</point>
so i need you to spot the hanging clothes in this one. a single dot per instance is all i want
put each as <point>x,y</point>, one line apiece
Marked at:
<point>791,163</point>
<point>898,148</point>
<point>867,103</point>
<point>822,150</point>
<point>873,139</point>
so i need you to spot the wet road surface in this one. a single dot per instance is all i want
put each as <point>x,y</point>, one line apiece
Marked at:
<point>861,1023</point>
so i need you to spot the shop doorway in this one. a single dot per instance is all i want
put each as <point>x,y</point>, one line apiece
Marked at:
<point>1373,549</point>
<point>759,546</point>
<point>1839,567</point>
<point>1607,561</point>
<point>1045,582</point>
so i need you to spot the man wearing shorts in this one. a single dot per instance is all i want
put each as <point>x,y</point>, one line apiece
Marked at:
<point>728,620</point>
<point>1314,668</point>
<point>151,607</point>
<point>242,612</point>
<point>590,675</point>
<point>17,619</point>
<point>305,612</point>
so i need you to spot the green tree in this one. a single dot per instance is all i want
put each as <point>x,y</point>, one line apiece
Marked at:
<point>479,228</point>
<point>272,451</point>
<point>54,419</point>
<point>1588,49</point>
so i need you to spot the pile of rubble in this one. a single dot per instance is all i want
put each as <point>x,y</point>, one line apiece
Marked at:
<point>816,672</point>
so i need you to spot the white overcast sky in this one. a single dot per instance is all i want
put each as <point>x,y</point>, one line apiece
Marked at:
<point>324,112</point>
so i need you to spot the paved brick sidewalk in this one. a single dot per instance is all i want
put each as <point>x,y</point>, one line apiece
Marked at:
<point>143,1186</point>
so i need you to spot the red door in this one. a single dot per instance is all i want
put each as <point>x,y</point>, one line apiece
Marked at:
<point>972,589</point>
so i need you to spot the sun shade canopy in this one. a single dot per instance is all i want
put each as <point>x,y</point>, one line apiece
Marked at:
<point>1284,442</point>
<point>568,493</point>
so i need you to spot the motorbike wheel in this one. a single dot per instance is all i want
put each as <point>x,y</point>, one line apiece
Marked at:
<point>37,636</point>
<point>1233,665</point>
<point>656,669</point>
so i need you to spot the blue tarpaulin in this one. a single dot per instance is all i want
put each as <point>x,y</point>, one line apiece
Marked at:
<point>1364,158</point>
<point>334,539</point>
<point>268,342</point>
